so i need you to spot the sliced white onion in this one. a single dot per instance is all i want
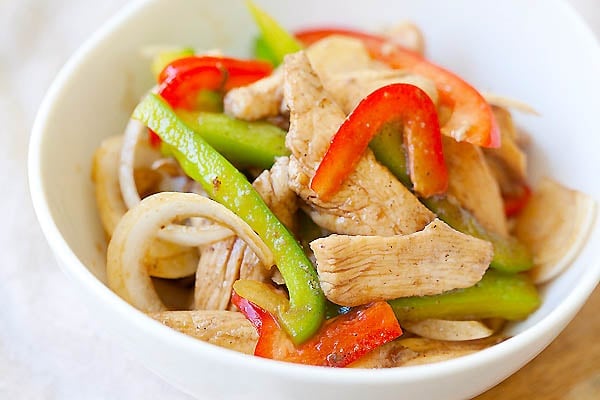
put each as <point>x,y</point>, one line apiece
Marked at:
<point>131,138</point>
<point>105,177</point>
<point>194,236</point>
<point>507,102</point>
<point>128,275</point>
<point>554,225</point>
<point>135,153</point>
<point>170,261</point>
<point>408,35</point>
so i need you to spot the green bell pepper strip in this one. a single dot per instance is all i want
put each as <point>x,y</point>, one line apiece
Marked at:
<point>242,143</point>
<point>497,295</point>
<point>262,51</point>
<point>389,137</point>
<point>276,40</point>
<point>510,255</point>
<point>225,184</point>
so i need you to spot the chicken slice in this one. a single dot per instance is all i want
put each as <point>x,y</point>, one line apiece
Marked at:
<point>348,89</point>
<point>217,270</point>
<point>431,350</point>
<point>508,162</point>
<point>441,329</point>
<point>472,184</point>
<point>273,187</point>
<point>343,64</point>
<point>258,100</point>
<point>338,54</point>
<point>356,270</point>
<point>349,74</point>
<point>222,263</point>
<point>222,328</point>
<point>389,355</point>
<point>417,351</point>
<point>371,201</point>
<point>554,225</point>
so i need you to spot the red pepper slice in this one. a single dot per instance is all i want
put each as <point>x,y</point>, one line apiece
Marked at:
<point>472,119</point>
<point>339,342</point>
<point>181,81</point>
<point>514,203</point>
<point>422,139</point>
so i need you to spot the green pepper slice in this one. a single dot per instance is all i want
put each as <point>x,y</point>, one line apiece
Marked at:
<point>497,295</point>
<point>225,184</point>
<point>276,41</point>
<point>510,255</point>
<point>243,143</point>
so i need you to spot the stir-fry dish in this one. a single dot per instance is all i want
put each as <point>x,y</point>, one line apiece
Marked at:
<point>339,200</point>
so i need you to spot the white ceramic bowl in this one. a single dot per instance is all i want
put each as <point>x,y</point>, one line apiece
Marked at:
<point>508,47</point>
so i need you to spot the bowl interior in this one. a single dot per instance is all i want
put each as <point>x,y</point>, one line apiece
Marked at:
<point>524,57</point>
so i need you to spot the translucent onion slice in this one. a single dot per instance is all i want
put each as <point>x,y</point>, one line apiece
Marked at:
<point>194,236</point>
<point>507,102</point>
<point>105,176</point>
<point>131,138</point>
<point>554,225</point>
<point>407,35</point>
<point>135,152</point>
<point>170,261</point>
<point>127,273</point>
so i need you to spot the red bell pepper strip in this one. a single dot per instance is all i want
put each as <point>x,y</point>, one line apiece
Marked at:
<point>472,119</point>
<point>422,139</point>
<point>181,81</point>
<point>514,203</point>
<point>339,342</point>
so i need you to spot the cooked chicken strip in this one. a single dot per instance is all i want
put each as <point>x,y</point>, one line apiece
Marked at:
<point>508,162</point>
<point>371,201</point>
<point>258,100</point>
<point>222,263</point>
<point>441,329</point>
<point>346,69</point>
<point>416,351</point>
<point>349,74</point>
<point>222,328</point>
<point>357,270</point>
<point>350,88</point>
<point>389,355</point>
<point>431,351</point>
<point>273,187</point>
<point>472,184</point>
<point>339,54</point>
<point>218,268</point>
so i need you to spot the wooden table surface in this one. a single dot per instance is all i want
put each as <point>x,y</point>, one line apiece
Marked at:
<point>569,369</point>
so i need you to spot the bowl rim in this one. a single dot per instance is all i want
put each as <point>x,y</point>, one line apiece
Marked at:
<point>76,270</point>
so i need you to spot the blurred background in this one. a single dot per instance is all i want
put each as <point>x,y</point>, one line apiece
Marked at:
<point>50,347</point>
